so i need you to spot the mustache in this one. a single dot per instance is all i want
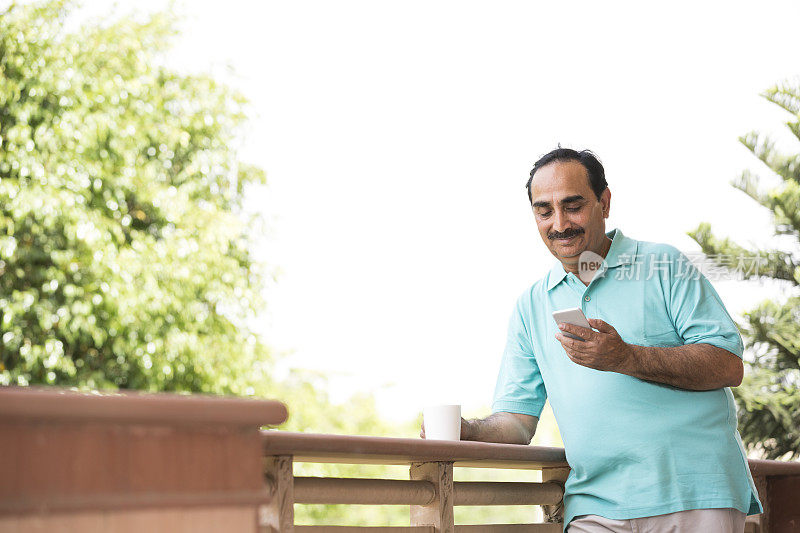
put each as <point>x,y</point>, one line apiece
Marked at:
<point>565,235</point>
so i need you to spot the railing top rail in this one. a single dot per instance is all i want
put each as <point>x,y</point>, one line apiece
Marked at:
<point>352,449</point>
<point>54,403</point>
<point>763,467</point>
<point>355,449</point>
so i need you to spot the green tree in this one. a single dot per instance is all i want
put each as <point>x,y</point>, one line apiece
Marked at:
<point>769,398</point>
<point>124,248</point>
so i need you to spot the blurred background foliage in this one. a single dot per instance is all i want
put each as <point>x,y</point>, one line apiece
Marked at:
<point>125,251</point>
<point>769,396</point>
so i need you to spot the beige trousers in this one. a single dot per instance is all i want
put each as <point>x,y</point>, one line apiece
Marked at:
<point>727,520</point>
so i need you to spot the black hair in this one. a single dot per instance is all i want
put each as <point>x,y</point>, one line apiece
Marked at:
<point>593,166</point>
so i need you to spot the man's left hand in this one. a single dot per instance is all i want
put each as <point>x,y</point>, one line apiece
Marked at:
<point>603,349</point>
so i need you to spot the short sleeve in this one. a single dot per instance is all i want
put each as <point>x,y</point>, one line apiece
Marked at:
<point>520,387</point>
<point>697,311</point>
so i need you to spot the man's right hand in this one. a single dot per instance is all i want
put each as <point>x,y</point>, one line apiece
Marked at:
<point>507,428</point>
<point>464,429</point>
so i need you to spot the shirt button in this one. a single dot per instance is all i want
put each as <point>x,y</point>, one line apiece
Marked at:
<point>587,298</point>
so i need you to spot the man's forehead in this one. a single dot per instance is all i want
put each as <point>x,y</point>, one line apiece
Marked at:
<point>560,179</point>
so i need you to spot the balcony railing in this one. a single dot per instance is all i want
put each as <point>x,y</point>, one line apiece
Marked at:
<point>432,493</point>
<point>430,489</point>
<point>124,463</point>
<point>134,462</point>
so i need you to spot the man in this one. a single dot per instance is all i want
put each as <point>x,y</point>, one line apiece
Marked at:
<point>643,403</point>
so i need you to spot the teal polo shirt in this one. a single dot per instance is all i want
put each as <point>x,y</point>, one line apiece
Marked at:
<point>635,448</point>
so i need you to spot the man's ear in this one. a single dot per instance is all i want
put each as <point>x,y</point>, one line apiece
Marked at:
<point>605,200</point>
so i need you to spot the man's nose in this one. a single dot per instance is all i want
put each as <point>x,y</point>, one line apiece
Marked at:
<point>560,222</point>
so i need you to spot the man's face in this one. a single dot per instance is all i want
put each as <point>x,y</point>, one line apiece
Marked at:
<point>569,216</point>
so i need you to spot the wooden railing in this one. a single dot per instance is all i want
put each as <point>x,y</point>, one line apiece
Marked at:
<point>141,462</point>
<point>126,463</point>
<point>430,490</point>
<point>432,493</point>
<point>778,485</point>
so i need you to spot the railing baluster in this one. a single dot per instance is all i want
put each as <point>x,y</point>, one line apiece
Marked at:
<point>438,513</point>
<point>555,513</point>
<point>278,515</point>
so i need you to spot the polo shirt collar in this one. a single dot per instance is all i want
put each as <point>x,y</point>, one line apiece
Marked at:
<point>622,251</point>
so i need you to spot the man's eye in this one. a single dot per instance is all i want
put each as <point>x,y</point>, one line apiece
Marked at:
<point>544,215</point>
<point>573,209</point>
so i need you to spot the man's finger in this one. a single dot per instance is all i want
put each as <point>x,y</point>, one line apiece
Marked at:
<point>601,326</point>
<point>573,344</point>
<point>575,356</point>
<point>565,341</point>
<point>583,348</point>
<point>584,333</point>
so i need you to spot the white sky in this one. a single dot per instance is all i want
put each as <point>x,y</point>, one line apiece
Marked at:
<point>398,136</point>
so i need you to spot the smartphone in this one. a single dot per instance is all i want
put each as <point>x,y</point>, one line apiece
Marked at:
<point>572,316</point>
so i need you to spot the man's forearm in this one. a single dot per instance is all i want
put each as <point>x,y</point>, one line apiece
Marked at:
<point>498,427</point>
<point>692,366</point>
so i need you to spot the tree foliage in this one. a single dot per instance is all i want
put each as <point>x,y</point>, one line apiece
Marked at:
<point>769,398</point>
<point>124,250</point>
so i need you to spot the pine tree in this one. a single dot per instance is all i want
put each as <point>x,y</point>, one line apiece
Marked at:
<point>769,398</point>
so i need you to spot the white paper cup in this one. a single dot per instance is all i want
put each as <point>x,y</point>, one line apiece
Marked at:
<point>442,422</point>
